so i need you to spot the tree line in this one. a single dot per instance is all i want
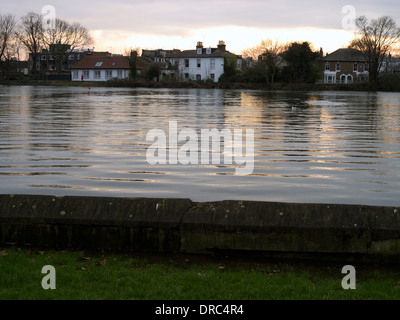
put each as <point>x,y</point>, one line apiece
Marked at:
<point>31,35</point>
<point>296,62</point>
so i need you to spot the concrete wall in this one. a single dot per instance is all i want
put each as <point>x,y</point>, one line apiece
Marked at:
<point>180,225</point>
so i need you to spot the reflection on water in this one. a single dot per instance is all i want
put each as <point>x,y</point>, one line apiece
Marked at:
<point>330,147</point>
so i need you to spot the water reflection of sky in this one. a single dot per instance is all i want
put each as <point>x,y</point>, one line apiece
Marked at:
<point>331,147</point>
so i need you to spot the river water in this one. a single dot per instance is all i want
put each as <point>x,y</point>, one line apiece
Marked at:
<point>311,147</point>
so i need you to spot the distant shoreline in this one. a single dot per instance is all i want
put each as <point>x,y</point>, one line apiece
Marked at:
<point>203,85</point>
<point>195,85</point>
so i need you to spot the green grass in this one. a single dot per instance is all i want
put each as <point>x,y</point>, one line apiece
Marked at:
<point>85,276</point>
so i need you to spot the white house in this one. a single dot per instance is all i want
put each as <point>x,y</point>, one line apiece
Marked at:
<point>101,68</point>
<point>202,63</point>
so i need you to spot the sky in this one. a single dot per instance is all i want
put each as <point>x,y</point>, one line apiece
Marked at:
<point>119,25</point>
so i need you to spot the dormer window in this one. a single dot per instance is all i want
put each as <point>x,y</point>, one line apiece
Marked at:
<point>199,50</point>
<point>208,51</point>
<point>98,64</point>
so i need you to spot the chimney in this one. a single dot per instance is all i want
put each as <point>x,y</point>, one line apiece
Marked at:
<point>221,45</point>
<point>321,53</point>
<point>199,45</point>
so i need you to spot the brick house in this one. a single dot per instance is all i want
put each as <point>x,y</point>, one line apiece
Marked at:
<point>344,66</point>
<point>46,59</point>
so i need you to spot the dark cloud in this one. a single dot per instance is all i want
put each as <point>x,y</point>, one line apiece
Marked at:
<point>177,17</point>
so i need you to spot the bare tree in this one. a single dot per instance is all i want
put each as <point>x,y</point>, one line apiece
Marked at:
<point>65,38</point>
<point>128,51</point>
<point>30,34</point>
<point>268,54</point>
<point>253,52</point>
<point>375,39</point>
<point>7,35</point>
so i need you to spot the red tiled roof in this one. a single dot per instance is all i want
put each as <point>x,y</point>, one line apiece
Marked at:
<point>102,62</point>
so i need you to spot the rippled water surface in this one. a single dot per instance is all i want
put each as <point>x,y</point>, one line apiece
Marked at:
<point>329,147</point>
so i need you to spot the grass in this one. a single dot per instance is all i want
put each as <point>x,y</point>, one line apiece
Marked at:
<point>129,276</point>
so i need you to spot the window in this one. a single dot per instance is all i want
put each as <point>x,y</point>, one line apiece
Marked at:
<point>198,63</point>
<point>51,58</point>
<point>208,51</point>
<point>71,57</point>
<point>327,66</point>
<point>338,66</point>
<point>44,58</point>
<point>186,63</point>
<point>199,50</point>
<point>119,74</point>
<point>75,74</point>
<point>97,74</point>
<point>109,74</point>
<point>212,64</point>
<point>186,76</point>
<point>355,67</point>
<point>366,67</point>
<point>212,75</point>
<point>330,79</point>
<point>198,77</point>
<point>86,74</point>
<point>98,64</point>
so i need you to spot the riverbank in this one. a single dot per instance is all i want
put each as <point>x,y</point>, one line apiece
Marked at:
<point>388,82</point>
<point>195,85</point>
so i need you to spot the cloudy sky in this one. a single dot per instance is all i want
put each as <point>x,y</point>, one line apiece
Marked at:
<point>121,24</point>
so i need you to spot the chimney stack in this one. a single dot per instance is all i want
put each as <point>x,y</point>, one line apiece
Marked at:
<point>199,45</point>
<point>221,45</point>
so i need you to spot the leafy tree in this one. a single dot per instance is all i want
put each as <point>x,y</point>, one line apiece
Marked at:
<point>375,39</point>
<point>153,71</point>
<point>132,54</point>
<point>230,65</point>
<point>300,63</point>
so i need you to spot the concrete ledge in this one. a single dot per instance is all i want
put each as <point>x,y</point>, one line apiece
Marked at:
<point>183,226</point>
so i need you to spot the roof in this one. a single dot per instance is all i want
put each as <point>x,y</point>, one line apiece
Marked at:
<point>345,54</point>
<point>102,62</point>
<point>215,53</point>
